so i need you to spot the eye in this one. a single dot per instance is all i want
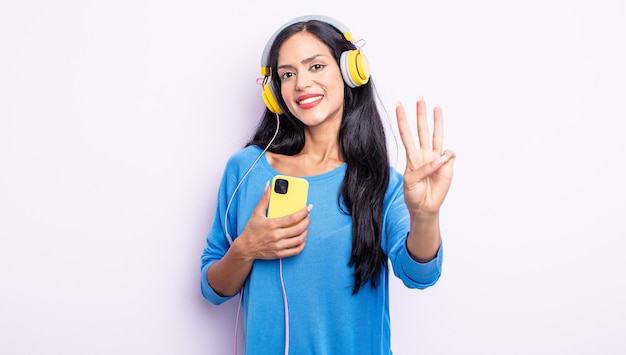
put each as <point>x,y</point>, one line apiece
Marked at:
<point>316,67</point>
<point>286,75</point>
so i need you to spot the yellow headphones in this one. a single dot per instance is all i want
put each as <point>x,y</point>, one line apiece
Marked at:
<point>354,66</point>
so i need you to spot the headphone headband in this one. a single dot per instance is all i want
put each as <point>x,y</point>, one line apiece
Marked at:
<point>265,69</point>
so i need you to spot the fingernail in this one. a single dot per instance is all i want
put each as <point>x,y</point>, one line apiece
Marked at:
<point>440,161</point>
<point>309,208</point>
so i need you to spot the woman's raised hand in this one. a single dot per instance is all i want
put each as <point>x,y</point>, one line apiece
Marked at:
<point>429,169</point>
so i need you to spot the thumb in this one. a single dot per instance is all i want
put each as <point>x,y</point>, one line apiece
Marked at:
<point>427,170</point>
<point>264,201</point>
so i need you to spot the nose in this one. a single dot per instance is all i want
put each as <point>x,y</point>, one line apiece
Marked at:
<point>303,80</point>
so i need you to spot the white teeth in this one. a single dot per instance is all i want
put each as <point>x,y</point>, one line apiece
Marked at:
<point>309,100</point>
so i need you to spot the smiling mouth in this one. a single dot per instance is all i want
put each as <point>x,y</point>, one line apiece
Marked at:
<point>309,100</point>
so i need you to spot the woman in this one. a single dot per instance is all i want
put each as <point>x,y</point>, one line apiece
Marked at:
<point>316,281</point>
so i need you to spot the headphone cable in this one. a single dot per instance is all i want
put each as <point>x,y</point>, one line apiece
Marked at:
<point>230,239</point>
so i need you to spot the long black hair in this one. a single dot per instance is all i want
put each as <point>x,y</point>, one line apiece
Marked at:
<point>363,145</point>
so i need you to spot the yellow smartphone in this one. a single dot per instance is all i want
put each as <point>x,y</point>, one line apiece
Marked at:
<point>288,195</point>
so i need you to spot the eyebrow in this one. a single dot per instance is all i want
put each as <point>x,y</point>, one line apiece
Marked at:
<point>304,61</point>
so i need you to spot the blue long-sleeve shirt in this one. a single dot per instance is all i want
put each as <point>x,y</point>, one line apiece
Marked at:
<point>324,316</point>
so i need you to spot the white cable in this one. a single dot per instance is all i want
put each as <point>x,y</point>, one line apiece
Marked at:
<point>230,239</point>
<point>286,305</point>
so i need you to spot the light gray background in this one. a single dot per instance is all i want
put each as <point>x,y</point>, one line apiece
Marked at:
<point>117,117</point>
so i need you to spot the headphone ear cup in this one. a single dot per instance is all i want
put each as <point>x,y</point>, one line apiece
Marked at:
<point>270,100</point>
<point>355,68</point>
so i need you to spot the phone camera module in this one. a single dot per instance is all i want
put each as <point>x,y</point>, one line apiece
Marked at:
<point>281,186</point>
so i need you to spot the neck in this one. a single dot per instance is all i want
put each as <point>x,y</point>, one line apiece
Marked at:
<point>321,142</point>
<point>320,154</point>
<point>320,149</point>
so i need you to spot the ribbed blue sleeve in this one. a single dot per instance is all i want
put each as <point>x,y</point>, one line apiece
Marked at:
<point>217,243</point>
<point>415,274</point>
<point>240,209</point>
